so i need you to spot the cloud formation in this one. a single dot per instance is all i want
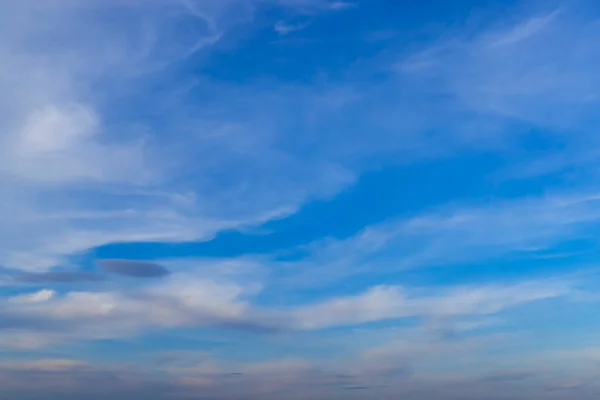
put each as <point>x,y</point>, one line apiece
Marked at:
<point>59,277</point>
<point>384,303</point>
<point>184,300</point>
<point>81,175</point>
<point>164,123</point>
<point>133,268</point>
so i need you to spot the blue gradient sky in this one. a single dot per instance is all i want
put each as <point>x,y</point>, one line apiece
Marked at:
<point>299,199</point>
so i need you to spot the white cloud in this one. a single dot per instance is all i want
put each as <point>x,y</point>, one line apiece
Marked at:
<point>194,299</point>
<point>179,301</point>
<point>171,169</point>
<point>530,72</point>
<point>284,28</point>
<point>388,302</point>
<point>59,144</point>
<point>187,299</point>
<point>525,30</point>
<point>83,162</point>
<point>452,235</point>
<point>379,303</point>
<point>37,297</point>
<point>341,5</point>
<point>80,167</point>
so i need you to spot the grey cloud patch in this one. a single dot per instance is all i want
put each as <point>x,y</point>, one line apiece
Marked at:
<point>257,326</point>
<point>59,277</point>
<point>357,388</point>
<point>133,268</point>
<point>10,321</point>
<point>83,382</point>
<point>508,377</point>
<point>364,387</point>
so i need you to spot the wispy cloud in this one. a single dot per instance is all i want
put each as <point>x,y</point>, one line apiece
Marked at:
<point>120,124</point>
<point>185,300</point>
<point>454,235</point>
<point>530,71</point>
<point>58,277</point>
<point>178,302</point>
<point>384,303</point>
<point>81,175</point>
<point>342,5</point>
<point>284,28</point>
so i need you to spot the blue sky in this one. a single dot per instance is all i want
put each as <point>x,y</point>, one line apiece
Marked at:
<point>299,199</point>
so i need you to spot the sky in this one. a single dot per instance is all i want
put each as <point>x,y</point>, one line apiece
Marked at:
<point>299,199</point>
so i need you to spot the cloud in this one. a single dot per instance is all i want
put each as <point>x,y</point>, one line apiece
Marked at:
<point>46,365</point>
<point>525,30</point>
<point>72,379</point>
<point>54,136</point>
<point>81,174</point>
<point>342,5</point>
<point>386,303</point>
<point>528,71</point>
<point>508,377</point>
<point>93,152</point>
<point>450,235</point>
<point>187,300</point>
<point>37,297</point>
<point>133,268</point>
<point>283,28</point>
<point>84,168</point>
<point>47,317</point>
<point>57,144</point>
<point>296,377</point>
<point>315,6</point>
<point>59,277</point>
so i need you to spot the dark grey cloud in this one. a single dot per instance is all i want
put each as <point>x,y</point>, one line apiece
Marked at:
<point>133,268</point>
<point>59,277</point>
